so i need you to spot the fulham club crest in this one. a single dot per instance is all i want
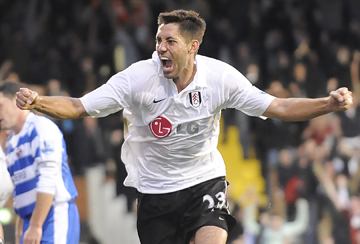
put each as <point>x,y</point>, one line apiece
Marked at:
<point>195,99</point>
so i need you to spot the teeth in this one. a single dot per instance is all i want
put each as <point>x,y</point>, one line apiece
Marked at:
<point>164,58</point>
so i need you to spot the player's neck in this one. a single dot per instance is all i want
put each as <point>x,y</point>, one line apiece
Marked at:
<point>21,121</point>
<point>186,78</point>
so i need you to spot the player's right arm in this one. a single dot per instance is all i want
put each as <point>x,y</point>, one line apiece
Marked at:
<point>54,106</point>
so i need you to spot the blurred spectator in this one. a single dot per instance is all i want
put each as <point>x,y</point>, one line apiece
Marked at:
<point>354,215</point>
<point>302,84</point>
<point>342,71</point>
<point>321,130</point>
<point>337,201</point>
<point>283,71</point>
<point>284,181</point>
<point>275,229</point>
<point>355,74</point>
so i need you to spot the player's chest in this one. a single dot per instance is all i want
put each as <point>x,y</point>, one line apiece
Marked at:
<point>19,146</point>
<point>190,103</point>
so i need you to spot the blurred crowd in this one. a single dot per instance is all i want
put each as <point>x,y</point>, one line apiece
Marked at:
<point>289,48</point>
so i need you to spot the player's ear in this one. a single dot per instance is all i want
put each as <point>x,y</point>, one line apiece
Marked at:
<point>194,47</point>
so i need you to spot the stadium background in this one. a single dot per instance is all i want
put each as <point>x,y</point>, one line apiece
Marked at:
<point>286,47</point>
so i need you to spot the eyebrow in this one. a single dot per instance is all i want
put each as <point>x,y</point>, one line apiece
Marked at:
<point>167,38</point>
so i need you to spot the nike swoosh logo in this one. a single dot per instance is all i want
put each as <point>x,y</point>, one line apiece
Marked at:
<point>157,101</point>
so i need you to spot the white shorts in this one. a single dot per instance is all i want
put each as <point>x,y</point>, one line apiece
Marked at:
<point>61,226</point>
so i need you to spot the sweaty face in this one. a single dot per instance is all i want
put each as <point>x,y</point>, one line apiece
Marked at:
<point>173,50</point>
<point>8,113</point>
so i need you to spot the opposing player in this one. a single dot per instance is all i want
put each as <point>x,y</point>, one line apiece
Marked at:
<point>172,104</point>
<point>37,163</point>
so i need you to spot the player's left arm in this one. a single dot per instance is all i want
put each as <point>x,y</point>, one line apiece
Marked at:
<point>19,224</point>
<point>42,207</point>
<point>1,232</point>
<point>300,109</point>
<point>46,189</point>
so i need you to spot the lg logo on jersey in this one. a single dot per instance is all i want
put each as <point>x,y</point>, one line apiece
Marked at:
<point>161,127</point>
<point>190,128</point>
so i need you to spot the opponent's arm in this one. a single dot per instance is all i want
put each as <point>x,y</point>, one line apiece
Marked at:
<point>42,207</point>
<point>1,232</point>
<point>19,224</point>
<point>300,109</point>
<point>54,106</point>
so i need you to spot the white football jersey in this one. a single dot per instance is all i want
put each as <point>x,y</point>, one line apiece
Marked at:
<point>6,185</point>
<point>171,137</point>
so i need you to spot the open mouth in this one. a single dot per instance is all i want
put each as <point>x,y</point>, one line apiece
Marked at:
<point>166,63</point>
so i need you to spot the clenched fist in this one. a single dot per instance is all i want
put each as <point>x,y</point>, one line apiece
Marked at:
<point>26,98</point>
<point>341,99</point>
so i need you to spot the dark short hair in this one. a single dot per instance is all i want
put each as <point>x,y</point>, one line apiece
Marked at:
<point>190,22</point>
<point>10,88</point>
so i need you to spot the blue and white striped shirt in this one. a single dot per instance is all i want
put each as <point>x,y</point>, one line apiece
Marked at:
<point>37,162</point>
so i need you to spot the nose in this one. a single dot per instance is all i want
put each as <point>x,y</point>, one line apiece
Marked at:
<point>162,46</point>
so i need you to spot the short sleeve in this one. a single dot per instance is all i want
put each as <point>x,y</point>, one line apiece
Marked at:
<point>242,95</point>
<point>108,98</point>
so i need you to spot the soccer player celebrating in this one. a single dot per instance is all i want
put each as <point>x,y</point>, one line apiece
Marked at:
<point>172,105</point>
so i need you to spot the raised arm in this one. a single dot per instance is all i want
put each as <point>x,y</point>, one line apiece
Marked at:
<point>54,106</point>
<point>301,222</point>
<point>300,109</point>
